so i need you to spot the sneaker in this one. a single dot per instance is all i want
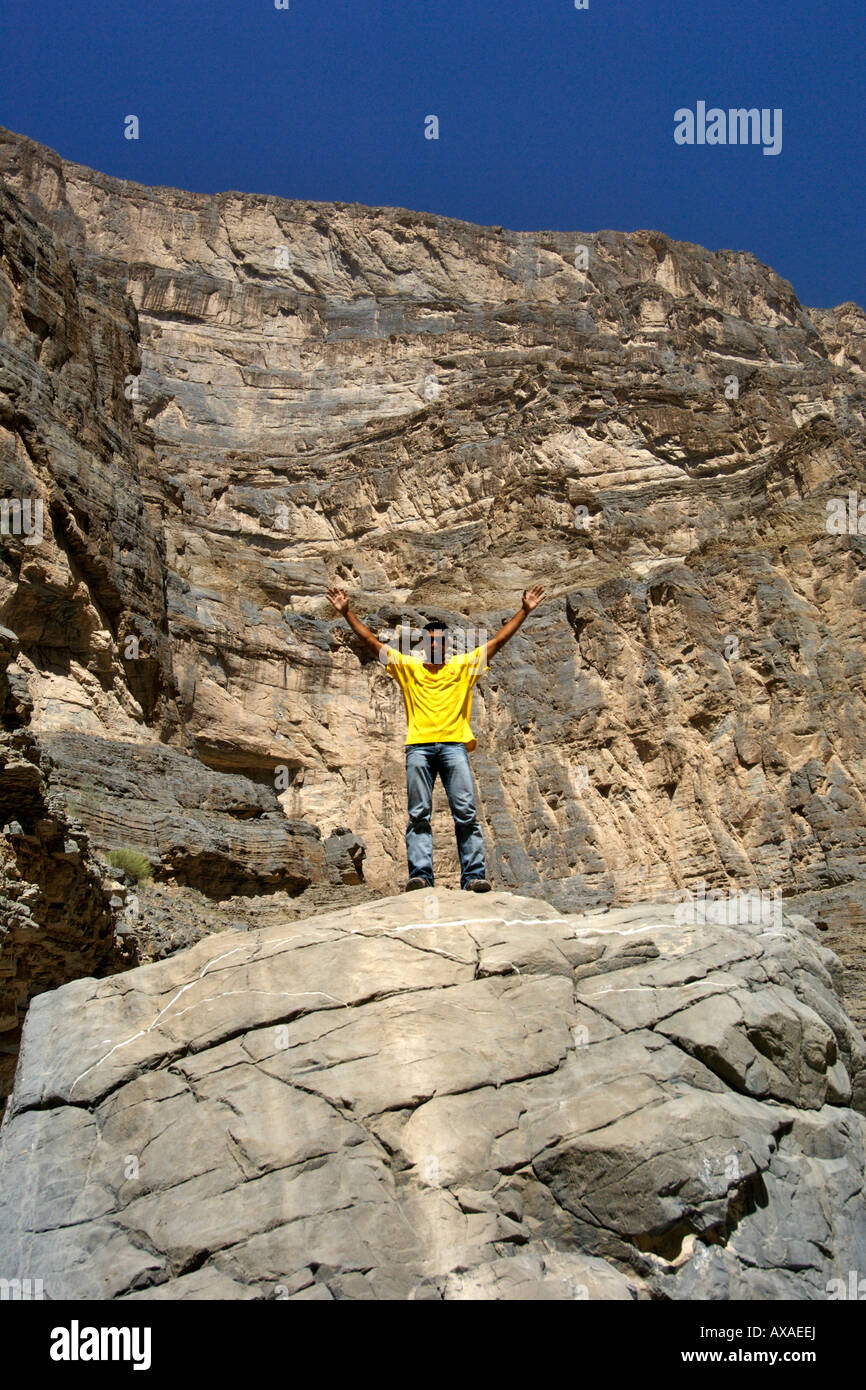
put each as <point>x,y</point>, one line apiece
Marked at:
<point>478,885</point>
<point>416,883</point>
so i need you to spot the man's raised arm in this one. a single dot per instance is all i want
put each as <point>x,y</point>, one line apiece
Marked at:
<point>340,599</point>
<point>531,599</point>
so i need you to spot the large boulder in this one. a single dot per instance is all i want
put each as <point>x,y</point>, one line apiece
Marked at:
<point>444,1097</point>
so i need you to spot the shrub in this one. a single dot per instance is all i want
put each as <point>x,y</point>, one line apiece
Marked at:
<point>138,866</point>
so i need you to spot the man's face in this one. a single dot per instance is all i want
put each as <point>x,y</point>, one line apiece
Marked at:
<point>434,646</point>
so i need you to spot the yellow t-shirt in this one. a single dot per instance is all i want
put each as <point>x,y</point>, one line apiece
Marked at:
<point>438,703</point>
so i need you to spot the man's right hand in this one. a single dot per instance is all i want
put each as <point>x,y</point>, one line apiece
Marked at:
<point>339,598</point>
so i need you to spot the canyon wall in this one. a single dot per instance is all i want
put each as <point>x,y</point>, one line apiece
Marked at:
<point>225,402</point>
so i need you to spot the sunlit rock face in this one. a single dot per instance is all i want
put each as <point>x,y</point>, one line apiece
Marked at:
<point>276,394</point>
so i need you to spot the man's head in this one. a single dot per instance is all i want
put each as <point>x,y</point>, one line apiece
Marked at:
<point>434,643</point>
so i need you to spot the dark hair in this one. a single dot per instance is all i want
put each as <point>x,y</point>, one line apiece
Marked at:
<point>435,627</point>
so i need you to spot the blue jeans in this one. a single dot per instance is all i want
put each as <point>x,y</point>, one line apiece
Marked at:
<point>451,762</point>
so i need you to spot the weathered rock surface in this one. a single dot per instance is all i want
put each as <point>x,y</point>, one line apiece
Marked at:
<point>56,917</point>
<point>87,688</point>
<point>438,1096</point>
<point>219,833</point>
<point>90,576</point>
<point>56,921</point>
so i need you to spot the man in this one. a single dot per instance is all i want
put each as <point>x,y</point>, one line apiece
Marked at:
<point>437,694</point>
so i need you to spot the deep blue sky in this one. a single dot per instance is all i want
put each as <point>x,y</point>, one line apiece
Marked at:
<point>550,117</point>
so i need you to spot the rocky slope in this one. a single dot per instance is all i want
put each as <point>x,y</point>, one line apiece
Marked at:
<point>445,1097</point>
<point>226,401</point>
